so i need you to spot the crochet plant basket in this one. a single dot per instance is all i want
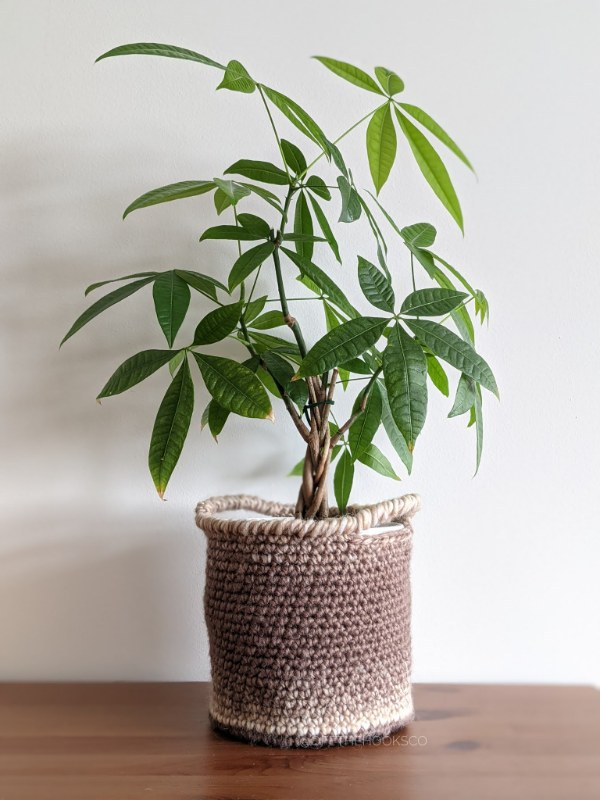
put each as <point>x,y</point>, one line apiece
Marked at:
<point>308,621</point>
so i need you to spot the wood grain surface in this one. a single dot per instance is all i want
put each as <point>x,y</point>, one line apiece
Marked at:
<point>148,741</point>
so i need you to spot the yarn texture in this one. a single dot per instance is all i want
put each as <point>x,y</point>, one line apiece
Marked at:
<point>308,621</point>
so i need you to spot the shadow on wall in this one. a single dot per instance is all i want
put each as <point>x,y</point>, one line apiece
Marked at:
<point>102,598</point>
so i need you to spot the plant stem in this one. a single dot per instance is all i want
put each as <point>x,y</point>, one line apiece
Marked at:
<point>363,404</point>
<point>266,105</point>
<point>339,139</point>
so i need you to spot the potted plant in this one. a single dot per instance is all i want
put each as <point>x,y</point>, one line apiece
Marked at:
<point>308,606</point>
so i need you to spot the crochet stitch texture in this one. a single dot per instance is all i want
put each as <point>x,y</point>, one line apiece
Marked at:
<point>308,622</point>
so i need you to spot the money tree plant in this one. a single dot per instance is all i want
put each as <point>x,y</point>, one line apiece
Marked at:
<point>418,314</point>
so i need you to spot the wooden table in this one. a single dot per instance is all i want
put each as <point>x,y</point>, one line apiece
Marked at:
<point>152,742</point>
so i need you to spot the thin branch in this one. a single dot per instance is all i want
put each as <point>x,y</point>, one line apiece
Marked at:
<point>363,404</point>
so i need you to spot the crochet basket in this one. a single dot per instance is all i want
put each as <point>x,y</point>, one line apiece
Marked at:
<point>308,622</point>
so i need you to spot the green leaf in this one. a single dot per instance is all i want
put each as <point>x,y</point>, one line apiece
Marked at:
<point>373,457</point>
<point>357,366</point>
<point>394,434</point>
<point>218,324</point>
<point>343,479</point>
<point>234,386</point>
<point>381,145</point>
<point>465,396</point>
<point>171,428</point>
<point>255,224</point>
<point>232,232</point>
<point>302,237</point>
<point>432,167</point>
<point>326,228</point>
<point>392,84</point>
<point>217,417</point>
<point>235,191</point>
<point>351,207</point>
<point>94,286</point>
<point>438,375</point>
<point>478,415</point>
<point>451,348</point>
<point>204,284</point>
<point>405,374</point>
<point>271,319</point>
<point>460,316</point>
<point>221,201</point>
<point>323,282</point>
<point>136,369</point>
<point>427,122</point>
<point>154,49</point>
<point>174,191</point>
<point>293,157</point>
<point>375,286</point>
<point>364,429</point>
<point>266,195</point>
<point>331,318</point>
<point>431,302</point>
<point>421,234</point>
<point>349,340</point>
<point>262,171</point>
<point>253,308</point>
<point>103,303</point>
<point>303,226</point>
<point>175,362</point>
<point>298,117</point>
<point>171,302</point>
<point>248,262</point>
<point>318,186</point>
<point>237,79</point>
<point>279,368</point>
<point>350,73</point>
<point>264,342</point>
<point>455,272</point>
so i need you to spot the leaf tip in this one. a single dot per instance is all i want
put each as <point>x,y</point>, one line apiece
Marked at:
<point>270,416</point>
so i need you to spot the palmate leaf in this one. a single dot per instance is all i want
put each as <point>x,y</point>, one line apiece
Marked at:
<point>92,287</point>
<point>405,374</point>
<point>217,324</point>
<point>171,428</point>
<point>420,234</point>
<point>262,171</point>
<point>343,479</point>
<point>105,302</point>
<point>432,167</point>
<point>381,145</point>
<point>136,369</point>
<point>235,233</point>
<point>237,78</point>
<point>318,186</point>
<point>326,228</point>
<point>393,432</point>
<point>375,286</point>
<point>165,194</point>
<point>432,126</point>
<point>347,341</point>
<point>300,118</point>
<point>372,457</point>
<point>464,400</point>
<point>323,282</point>
<point>294,157</point>
<point>432,302</point>
<point>205,284</point>
<point>451,348</point>
<point>437,375</point>
<point>248,262</point>
<point>391,83</point>
<point>351,205</point>
<point>233,190</point>
<point>364,429</point>
<point>234,386</point>
<point>254,224</point>
<point>171,301</point>
<point>154,49</point>
<point>303,226</point>
<point>222,201</point>
<point>350,73</point>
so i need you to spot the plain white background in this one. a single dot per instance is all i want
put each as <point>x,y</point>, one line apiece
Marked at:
<point>98,578</point>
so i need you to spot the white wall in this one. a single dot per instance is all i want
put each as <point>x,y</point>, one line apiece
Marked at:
<point>98,578</point>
